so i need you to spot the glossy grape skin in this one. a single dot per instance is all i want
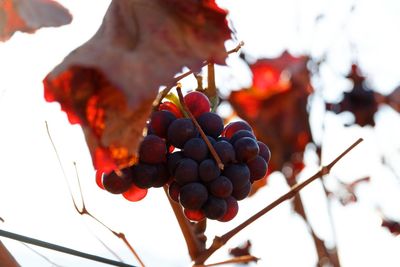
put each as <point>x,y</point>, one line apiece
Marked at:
<point>221,187</point>
<point>258,168</point>
<point>264,151</point>
<point>162,176</point>
<point>242,192</point>
<point>117,184</point>
<point>215,208</point>
<point>193,196</point>
<point>233,127</point>
<point>186,171</point>
<point>197,103</point>
<point>238,174</point>
<point>171,107</point>
<point>134,193</point>
<point>173,191</point>
<point>232,209</point>
<point>160,121</point>
<point>208,170</point>
<point>152,150</point>
<point>225,151</point>
<point>211,123</point>
<point>194,215</point>
<point>246,149</point>
<point>144,175</point>
<point>240,134</point>
<point>173,160</point>
<point>99,179</point>
<point>180,131</point>
<point>195,149</point>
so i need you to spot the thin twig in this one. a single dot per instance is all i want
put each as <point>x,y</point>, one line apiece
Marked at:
<point>1,219</point>
<point>219,241</point>
<point>84,211</point>
<point>236,260</point>
<point>203,135</point>
<point>166,90</point>
<point>53,264</point>
<point>62,249</point>
<point>193,244</point>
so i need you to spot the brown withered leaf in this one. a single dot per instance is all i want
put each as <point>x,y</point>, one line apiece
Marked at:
<point>109,83</point>
<point>30,15</point>
<point>241,250</point>
<point>392,226</point>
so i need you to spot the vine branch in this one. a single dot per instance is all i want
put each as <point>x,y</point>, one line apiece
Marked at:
<point>219,241</point>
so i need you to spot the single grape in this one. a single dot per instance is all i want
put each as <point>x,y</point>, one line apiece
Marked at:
<point>232,209</point>
<point>225,151</point>
<point>162,176</point>
<point>258,168</point>
<point>211,123</point>
<point>246,149</point>
<point>180,131</point>
<point>208,170</point>
<point>264,151</point>
<point>160,121</point>
<point>238,174</point>
<point>243,192</point>
<point>215,208</point>
<point>197,103</point>
<point>186,171</point>
<point>211,139</point>
<point>221,187</point>
<point>233,127</point>
<point>171,107</point>
<point>194,215</point>
<point>173,191</point>
<point>172,161</point>
<point>144,175</point>
<point>240,134</point>
<point>99,179</point>
<point>152,150</point>
<point>195,149</point>
<point>134,193</point>
<point>117,183</point>
<point>193,196</point>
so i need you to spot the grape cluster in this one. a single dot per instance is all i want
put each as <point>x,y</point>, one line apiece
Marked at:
<point>174,153</point>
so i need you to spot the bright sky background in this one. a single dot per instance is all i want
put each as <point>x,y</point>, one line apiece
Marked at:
<point>34,198</point>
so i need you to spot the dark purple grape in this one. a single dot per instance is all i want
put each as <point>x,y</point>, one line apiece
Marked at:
<point>222,138</point>
<point>208,170</point>
<point>117,184</point>
<point>180,131</point>
<point>186,171</point>
<point>221,187</point>
<point>215,208</point>
<point>162,176</point>
<point>211,123</point>
<point>225,151</point>
<point>173,191</point>
<point>232,210</point>
<point>172,161</point>
<point>239,174</point>
<point>264,151</point>
<point>233,127</point>
<point>144,175</point>
<point>258,168</point>
<point>193,195</point>
<point>195,149</point>
<point>242,192</point>
<point>240,134</point>
<point>212,140</point>
<point>246,149</point>
<point>152,150</point>
<point>160,121</point>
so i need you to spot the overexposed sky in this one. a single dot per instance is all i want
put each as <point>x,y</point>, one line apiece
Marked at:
<point>34,198</point>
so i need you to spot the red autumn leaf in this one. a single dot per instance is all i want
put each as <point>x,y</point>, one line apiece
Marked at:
<point>361,100</point>
<point>241,250</point>
<point>109,83</point>
<point>30,15</point>
<point>276,107</point>
<point>392,226</point>
<point>393,99</point>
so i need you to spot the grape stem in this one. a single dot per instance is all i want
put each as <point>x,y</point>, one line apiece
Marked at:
<point>242,259</point>
<point>6,258</point>
<point>219,241</point>
<point>167,89</point>
<point>203,135</point>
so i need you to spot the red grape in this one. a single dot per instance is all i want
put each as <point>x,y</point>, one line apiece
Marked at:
<point>225,151</point>
<point>258,168</point>
<point>196,149</point>
<point>233,127</point>
<point>246,149</point>
<point>193,195</point>
<point>232,209</point>
<point>152,150</point>
<point>134,193</point>
<point>221,187</point>
<point>194,215</point>
<point>180,131</point>
<point>211,124</point>
<point>215,208</point>
<point>117,183</point>
<point>208,170</point>
<point>173,191</point>
<point>160,121</point>
<point>264,151</point>
<point>186,171</point>
<point>171,107</point>
<point>197,103</point>
<point>239,174</point>
<point>99,179</point>
<point>240,134</point>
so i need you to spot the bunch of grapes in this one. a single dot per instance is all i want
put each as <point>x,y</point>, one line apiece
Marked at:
<point>174,153</point>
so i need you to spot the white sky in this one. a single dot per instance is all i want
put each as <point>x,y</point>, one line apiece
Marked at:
<point>34,198</point>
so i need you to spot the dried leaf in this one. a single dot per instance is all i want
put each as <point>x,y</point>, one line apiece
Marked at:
<point>108,84</point>
<point>241,250</point>
<point>392,226</point>
<point>361,100</point>
<point>30,15</point>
